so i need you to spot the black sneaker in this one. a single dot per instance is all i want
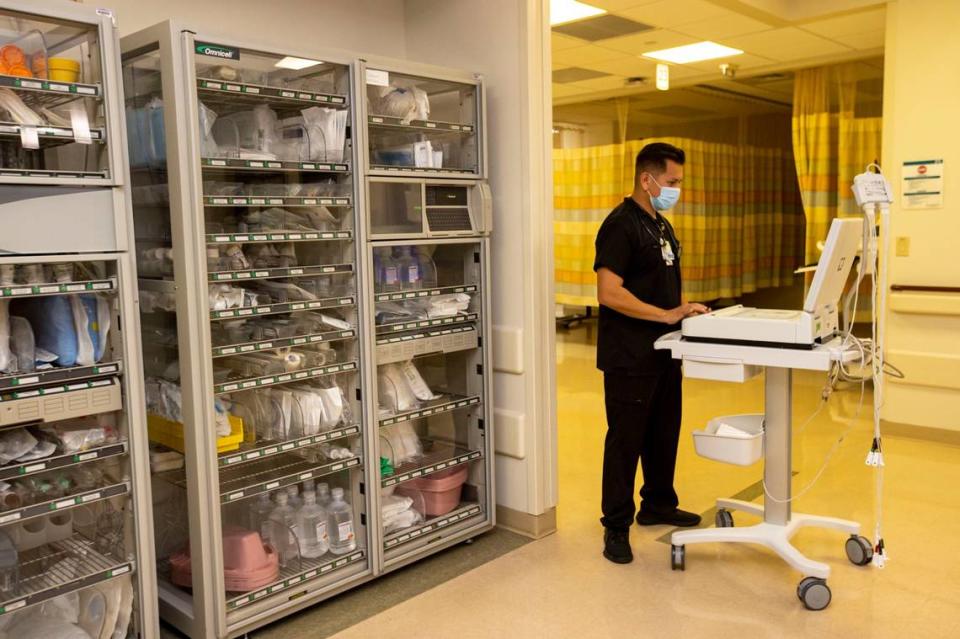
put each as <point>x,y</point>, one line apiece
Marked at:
<point>679,518</point>
<point>616,546</point>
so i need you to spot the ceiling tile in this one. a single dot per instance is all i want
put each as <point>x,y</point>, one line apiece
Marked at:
<point>566,90</point>
<point>602,27</point>
<point>836,28</point>
<point>628,66</point>
<point>786,44</point>
<point>575,74</point>
<point>584,55</point>
<point>669,13</point>
<point>559,42</point>
<point>863,41</point>
<point>649,41</point>
<point>724,26</point>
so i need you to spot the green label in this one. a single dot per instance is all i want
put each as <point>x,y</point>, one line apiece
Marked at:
<point>217,51</point>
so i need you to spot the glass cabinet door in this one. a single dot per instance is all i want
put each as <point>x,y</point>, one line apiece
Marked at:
<point>52,114</point>
<point>422,124</point>
<point>430,391</point>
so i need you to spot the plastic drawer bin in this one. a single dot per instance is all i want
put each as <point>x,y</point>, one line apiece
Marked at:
<point>170,434</point>
<point>731,448</point>
<point>440,492</point>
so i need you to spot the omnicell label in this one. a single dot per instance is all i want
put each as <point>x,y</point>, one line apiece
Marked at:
<point>217,51</point>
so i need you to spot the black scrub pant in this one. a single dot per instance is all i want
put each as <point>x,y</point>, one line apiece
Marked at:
<point>643,423</point>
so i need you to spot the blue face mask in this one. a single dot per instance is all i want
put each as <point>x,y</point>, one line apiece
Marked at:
<point>668,198</point>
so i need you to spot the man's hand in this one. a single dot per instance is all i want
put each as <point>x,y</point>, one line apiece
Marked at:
<point>674,315</point>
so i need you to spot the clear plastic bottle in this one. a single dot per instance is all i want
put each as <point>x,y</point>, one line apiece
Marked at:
<point>340,527</point>
<point>323,494</point>
<point>293,497</point>
<point>409,268</point>
<point>259,515</point>
<point>312,527</point>
<point>284,520</point>
<point>390,279</point>
<point>428,270</point>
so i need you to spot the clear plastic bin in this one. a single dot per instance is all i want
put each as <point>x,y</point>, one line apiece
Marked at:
<point>732,439</point>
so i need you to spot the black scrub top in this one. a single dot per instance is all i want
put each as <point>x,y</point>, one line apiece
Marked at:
<point>628,244</point>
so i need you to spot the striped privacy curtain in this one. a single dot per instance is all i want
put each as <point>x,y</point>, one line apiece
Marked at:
<point>739,218</point>
<point>831,144</point>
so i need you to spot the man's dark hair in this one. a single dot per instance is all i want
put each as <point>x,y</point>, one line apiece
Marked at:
<point>653,158</point>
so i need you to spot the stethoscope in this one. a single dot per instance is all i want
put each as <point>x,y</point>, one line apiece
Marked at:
<point>666,246</point>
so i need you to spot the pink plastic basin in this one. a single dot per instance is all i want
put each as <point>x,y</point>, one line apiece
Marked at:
<point>439,493</point>
<point>248,563</point>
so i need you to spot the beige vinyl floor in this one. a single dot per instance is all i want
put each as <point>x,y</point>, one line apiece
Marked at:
<point>561,587</point>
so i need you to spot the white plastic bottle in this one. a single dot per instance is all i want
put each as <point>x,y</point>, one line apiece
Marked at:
<point>293,497</point>
<point>340,527</point>
<point>312,527</point>
<point>323,494</point>
<point>284,519</point>
<point>390,279</point>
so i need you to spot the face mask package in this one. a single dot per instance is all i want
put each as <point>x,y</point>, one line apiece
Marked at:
<point>326,133</point>
<point>72,328</point>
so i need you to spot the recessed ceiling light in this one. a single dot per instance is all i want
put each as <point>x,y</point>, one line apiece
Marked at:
<point>296,63</point>
<point>696,52</point>
<point>564,11</point>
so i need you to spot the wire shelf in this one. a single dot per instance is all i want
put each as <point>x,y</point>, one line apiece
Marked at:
<point>60,568</point>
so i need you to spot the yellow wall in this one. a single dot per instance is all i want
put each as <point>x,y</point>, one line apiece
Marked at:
<point>921,107</point>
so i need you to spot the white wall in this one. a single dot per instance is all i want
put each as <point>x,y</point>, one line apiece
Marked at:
<point>370,26</point>
<point>502,39</point>
<point>921,94</point>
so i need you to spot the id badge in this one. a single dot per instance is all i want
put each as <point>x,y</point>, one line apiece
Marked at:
<point>666,251</point>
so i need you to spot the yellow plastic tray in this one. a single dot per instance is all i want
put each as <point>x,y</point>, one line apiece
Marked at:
<point>170,434</point>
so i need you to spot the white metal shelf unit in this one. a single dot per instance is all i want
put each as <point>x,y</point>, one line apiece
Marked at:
<point>268,221</point>
<point>83,516</point>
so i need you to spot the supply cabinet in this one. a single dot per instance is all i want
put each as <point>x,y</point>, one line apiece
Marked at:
<point>75,520</point>
<point>427,291</point>
<point>244,205</point>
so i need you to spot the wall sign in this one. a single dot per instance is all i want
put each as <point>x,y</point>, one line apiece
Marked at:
<point>922,184</point>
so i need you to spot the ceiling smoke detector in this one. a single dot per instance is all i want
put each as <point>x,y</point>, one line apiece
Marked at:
<point>728,71</point>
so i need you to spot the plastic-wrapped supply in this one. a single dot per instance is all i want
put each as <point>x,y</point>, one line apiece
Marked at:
<point>18,112</point>
<point>281,292</point>
<point>403,444</point>
<point>392,312</point>
<point>155,262</point>
<point>152,301</point>
<point>74,329</point>
<point>326,133</point>
<point>15,444</point>
<point>277,219</point>
<point>224,296</point>
<point>208,145</point>
<point>404,100</point>
<point>146,131</point>
<point>416,382</point>
<point>249,135</point>
<point>394,390</point>
<point>443,305</point>
<point>22,345</point>
<point>398,513</point>
<point>75,437</point>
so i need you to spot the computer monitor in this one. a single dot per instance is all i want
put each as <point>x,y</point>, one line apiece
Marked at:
<point>839,252</point>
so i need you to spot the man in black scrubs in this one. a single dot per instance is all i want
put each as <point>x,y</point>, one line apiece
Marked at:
<point>638,287</point>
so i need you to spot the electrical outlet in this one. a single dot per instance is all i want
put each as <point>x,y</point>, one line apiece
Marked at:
<point>903,247</point>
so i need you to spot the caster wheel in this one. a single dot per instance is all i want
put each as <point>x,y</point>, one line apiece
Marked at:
<point>723,519</point>
<point>814,593</point>
<point>468,542</point>
<point>859,550</point>
<point>677,556</point>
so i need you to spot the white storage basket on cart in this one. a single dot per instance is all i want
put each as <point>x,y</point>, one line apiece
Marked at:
<point>733,439</point>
